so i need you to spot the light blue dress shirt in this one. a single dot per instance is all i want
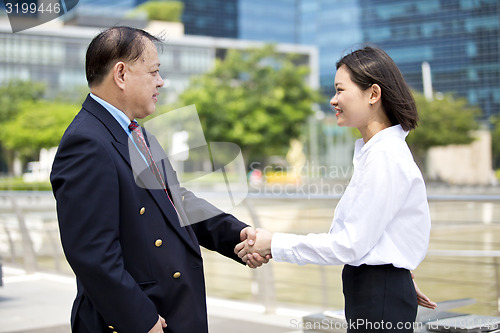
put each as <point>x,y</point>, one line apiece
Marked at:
<point>120,117</point>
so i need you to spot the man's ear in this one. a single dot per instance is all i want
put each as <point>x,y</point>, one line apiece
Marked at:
<point>119,74</point>
<point>375,94</point>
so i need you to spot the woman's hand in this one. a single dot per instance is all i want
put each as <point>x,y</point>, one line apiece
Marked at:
<point>422,299</point>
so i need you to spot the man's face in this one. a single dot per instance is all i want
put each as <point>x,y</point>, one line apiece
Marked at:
<point>142,80</point>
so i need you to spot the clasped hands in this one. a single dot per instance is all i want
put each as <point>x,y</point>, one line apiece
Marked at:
<point>255,247</point>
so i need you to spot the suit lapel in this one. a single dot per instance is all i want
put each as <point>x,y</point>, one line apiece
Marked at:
<point>122,146</point>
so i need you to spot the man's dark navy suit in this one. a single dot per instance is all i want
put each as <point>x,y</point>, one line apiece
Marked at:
<point>131,257</point>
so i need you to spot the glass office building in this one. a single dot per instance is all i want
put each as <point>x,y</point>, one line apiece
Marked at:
<point>217,18</point>
<point>458,38</point>
<point>56,57</point>
<point>334,27</point>
<point>107,8</point>
<point>331,25</point>
<point>271,21</point>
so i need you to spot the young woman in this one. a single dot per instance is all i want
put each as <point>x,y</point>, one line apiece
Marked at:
<point>380,231</point>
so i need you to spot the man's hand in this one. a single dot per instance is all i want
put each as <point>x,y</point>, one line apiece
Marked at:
<point>248,236</point>
<point>159,326</point>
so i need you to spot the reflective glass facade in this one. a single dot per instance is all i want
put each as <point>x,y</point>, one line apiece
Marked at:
<point>56,61</point>
<point>60,60</point>
<point>331,25</point>
<point>107,8</point>
<point>56,57</point>
<point>459,38</point>
<point>217,18</point>
<point>272,21</point>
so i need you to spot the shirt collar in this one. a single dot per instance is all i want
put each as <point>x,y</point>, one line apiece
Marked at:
<point>361,147</point>
<point>120,117</point>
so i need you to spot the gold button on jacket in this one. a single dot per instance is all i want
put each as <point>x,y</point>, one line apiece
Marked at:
<point>177,275</point>
<point>158,242</point>
<point>142,211</point>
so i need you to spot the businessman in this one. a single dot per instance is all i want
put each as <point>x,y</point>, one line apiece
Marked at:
<point>134,251</point>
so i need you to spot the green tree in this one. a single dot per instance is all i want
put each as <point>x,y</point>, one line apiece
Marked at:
<point>11,95</point>
<point>38,124</point>
<point>495,141</point>
<point>15,92</point>
<point>443,121</point>
<point>257,99</point>
<point>170,11</point>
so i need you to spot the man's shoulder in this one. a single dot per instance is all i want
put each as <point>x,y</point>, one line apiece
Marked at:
<point>83,124</point>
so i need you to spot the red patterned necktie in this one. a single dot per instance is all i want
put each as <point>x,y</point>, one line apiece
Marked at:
<point>143,148</point>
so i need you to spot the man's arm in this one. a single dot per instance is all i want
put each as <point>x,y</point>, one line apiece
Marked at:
<point>214,229</point>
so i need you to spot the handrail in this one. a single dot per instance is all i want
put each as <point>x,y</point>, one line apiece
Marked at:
<point>266,292</point>
<point>464,253</point>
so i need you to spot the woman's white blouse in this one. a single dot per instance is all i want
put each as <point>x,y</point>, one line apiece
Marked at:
<point>382,218</point>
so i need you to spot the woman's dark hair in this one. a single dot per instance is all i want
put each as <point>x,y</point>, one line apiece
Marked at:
<point>371,65</point>
<point>114,44</point>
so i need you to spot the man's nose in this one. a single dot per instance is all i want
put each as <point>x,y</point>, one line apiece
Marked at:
<point>160,81</point>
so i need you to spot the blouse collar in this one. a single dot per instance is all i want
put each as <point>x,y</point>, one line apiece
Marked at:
<point>361,147</point>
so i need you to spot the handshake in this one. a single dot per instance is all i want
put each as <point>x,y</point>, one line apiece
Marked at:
<point>255,247</point>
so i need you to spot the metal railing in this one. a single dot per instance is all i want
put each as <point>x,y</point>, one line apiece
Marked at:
<point>30,237</point>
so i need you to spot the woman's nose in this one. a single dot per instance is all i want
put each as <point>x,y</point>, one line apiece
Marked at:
<point>333,102</point>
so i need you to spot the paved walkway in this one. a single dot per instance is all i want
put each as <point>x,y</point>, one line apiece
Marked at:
<point>41,303</point>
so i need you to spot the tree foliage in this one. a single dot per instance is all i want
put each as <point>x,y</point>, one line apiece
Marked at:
<point>38,124</point>
<point>495,141</point>
<point>257,99</point>
<point>15,92</point>
<point>443,121</point>
<point>170,11</point>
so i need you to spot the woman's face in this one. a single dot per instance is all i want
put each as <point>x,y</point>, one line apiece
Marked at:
<point>352,105</point>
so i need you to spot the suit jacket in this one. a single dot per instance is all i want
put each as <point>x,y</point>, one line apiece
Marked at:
<point>132,258</point>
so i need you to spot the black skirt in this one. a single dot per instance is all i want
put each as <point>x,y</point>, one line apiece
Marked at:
<point>379,299</point>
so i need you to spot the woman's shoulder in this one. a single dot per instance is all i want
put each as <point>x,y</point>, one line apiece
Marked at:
<point>393,153</point>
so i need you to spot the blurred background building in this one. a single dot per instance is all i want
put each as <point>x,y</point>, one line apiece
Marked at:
<point>458,38</point>
<point>55,54</point>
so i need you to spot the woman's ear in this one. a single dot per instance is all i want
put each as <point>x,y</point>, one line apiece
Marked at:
<point>375,94</point>
<point>119,74</point>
